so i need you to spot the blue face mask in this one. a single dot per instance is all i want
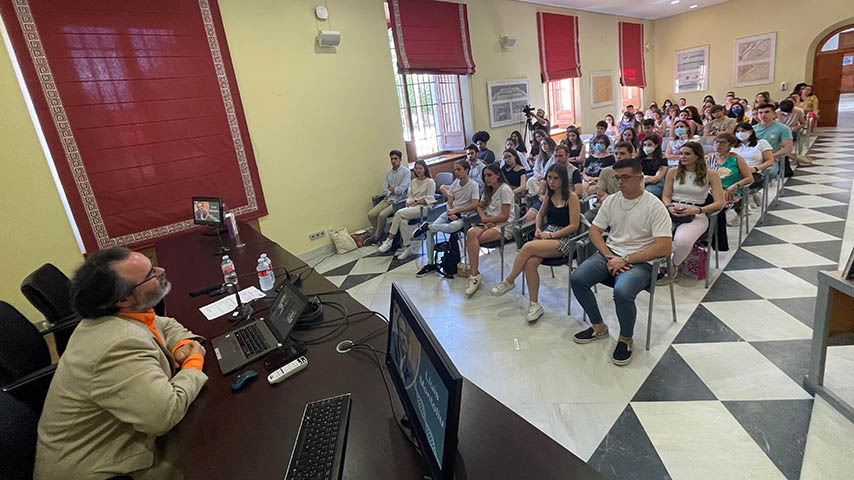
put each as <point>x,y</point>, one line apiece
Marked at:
<point>599,147</point>
<point>736,110</point>
<point>681,131</point>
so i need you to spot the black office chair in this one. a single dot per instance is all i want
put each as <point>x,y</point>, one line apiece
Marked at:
<point>18,424</point>
<point>25,368</point>
<point>49,290</point>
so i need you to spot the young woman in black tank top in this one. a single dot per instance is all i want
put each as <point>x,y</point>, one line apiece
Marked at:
<point>556,224</point>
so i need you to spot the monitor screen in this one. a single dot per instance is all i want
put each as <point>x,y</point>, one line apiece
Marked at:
<point>427,383</point>
<point>207,210</point>
<point>285,311</point>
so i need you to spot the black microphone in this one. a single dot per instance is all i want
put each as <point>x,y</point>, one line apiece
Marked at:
<point>243,310</point>
<point>204,290</point>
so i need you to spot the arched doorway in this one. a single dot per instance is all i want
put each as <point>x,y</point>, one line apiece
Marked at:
<point>833,76</point>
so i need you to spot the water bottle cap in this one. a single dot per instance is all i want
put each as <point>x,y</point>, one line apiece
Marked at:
<point>225,257</point>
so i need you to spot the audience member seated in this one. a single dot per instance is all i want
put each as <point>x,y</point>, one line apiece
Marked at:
<point>395,183</point>
<point>695,121</point>
<point>496,208</point>
<point>422,193</point>
<point>630,109</point>
<point>612,129</point>
<point>736,111</point>
<point>126,378</point>
<point>554,228</point>
<point>639,232</point>
<point>602,128</point>
<point>607,183</point>
<point>462,196</point>
<point>577,151</point>
<point>639,118</point>
<point>510,144</point>
<point>730,100</point>
<point>758,155</point>
<point>520,144</point>
<point>709,99</point>
<point>809,102</point>
<point>653,164</point>
<point>672,116</point>
<point>475,165</point>
<point>598,159</point>
<point>513,171</point>
<point>630,135</point>
<point>485,154</point>
<point>648,129</point>
<point>791,116</point>
<point>761,98</point>
<point>649,111</point>
<point>544,159</point>
<point>706,115</point>
<point>659,124</point>
<point>685,190</point>
<point>537,137</point>
<point>775,133</point>
<point>719,123</point>
<point>674,148</point>
<point>684,117</point>
<point>573,174</point>
<point>627,121</point>
<point>682,103</point>
<point>733,172</point>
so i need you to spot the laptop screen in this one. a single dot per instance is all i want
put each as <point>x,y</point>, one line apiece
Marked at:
<point>285,311</point>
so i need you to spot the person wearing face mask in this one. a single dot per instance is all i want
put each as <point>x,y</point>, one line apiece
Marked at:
<point>758,155</point>
<point>654,165</point>
<point>627,121</point>
<point>666,105</point>
<point>684,117</point>
<point>736,111</point>
<point>599,159</point>
<point>674,150</point>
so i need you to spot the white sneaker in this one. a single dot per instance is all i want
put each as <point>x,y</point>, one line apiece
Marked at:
<point>757,198</point>
<point>731,218</point>
<point>385,246</point>
<point>412,250</point>
<point>474,284</point>
<point>535,311</point>
<point>502,288</point>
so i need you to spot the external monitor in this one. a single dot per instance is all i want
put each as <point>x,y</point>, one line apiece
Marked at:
<point>427,383</point>
<point>207,211</point>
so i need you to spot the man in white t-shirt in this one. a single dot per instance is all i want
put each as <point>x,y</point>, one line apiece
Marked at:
<point>640,231</point>
<point>462,196</point>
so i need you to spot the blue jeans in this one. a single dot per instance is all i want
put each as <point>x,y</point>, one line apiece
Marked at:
<point>656,188</point>
<point>626,287</point>
<point>441,224</point>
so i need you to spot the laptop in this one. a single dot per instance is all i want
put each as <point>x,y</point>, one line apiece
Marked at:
<point>246,344</point>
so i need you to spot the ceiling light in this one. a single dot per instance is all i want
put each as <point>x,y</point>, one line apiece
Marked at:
<point>674,2</point>
<point>693,6</point>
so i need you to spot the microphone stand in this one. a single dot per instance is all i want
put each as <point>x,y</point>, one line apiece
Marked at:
<point>243,310</point>
<point>222,248</point>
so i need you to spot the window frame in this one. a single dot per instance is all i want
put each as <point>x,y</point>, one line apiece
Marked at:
<point>626,100</point>
<point>550,107</point>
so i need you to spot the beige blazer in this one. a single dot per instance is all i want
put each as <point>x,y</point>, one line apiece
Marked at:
<point>114,392</point>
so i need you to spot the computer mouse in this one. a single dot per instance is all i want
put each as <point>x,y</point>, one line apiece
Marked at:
<point>239,381</point>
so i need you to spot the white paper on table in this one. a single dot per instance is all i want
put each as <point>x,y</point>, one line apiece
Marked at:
<point>229,303</point>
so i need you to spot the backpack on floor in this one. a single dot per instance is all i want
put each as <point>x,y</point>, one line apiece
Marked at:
<point>450,256</point>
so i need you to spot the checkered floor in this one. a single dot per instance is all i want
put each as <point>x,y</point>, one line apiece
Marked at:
<point>726,397</point>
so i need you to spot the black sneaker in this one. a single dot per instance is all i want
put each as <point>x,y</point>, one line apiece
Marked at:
<point>421,230</point>
<point>622,354</point>
<point>589,335</point>
<point>427,270</point>
<point>369,241</point>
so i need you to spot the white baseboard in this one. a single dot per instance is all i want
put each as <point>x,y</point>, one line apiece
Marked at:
<point>317,253</point>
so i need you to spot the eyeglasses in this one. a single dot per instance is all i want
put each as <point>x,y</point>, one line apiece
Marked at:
<point>624,178</point>
<point>152,274</point>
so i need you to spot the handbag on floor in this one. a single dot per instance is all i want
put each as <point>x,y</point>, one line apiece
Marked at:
<point>694,266</point>
<point>342,240</point>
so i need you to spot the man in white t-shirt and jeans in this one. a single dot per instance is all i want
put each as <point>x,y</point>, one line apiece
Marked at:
<point>462,196</point>
<point>640,231</point>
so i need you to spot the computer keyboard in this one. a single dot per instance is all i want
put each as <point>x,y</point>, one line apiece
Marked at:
<point>319,449</point>
<point>250,340</point>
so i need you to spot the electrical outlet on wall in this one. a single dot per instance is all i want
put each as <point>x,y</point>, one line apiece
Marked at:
<point>316,235</point>
<point>784,86</point>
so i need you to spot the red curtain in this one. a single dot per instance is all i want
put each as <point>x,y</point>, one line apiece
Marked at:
<point>558,38</point>
<point>632,71</point>
<point>139,105</point>
<point>431,37</point>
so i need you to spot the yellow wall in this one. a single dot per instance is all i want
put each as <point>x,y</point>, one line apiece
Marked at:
<point>33,226</point>
<point>799,27</point>
<point>597,37</point>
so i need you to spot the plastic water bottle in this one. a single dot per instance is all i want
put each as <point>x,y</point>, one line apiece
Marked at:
<point>229,275</point>
<point>265,273</point>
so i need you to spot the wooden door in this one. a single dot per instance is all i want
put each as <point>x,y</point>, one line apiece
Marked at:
<point>826,79</point>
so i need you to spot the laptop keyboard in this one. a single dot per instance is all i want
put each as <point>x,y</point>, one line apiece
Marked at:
<point>250,340</point>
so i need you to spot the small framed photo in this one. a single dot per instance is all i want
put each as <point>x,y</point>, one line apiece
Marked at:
<point>207,210</point>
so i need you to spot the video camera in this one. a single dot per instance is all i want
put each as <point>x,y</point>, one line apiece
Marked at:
<point>528,111</point>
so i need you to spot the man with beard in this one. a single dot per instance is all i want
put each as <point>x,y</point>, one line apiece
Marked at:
<point>126,377</point>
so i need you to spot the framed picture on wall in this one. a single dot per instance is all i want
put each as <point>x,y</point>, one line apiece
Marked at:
<point>601,89</point>
<point>753,60</point>
<point>506,99</point>
<point>691,69</point>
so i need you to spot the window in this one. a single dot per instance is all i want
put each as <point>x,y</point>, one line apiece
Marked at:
<point>430,110</point>
<point>560,101</point>
<point>631,96</point>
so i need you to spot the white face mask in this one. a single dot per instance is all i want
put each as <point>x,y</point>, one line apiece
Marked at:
<point>647,149</point>
<point>743,136</point>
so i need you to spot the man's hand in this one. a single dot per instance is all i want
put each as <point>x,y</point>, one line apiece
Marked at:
<point>391,190</point>
<point>410,203</point>
<point>489,225</point>
<point>184,351</point>
<point>618,265</point>
<point>453,216</point>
